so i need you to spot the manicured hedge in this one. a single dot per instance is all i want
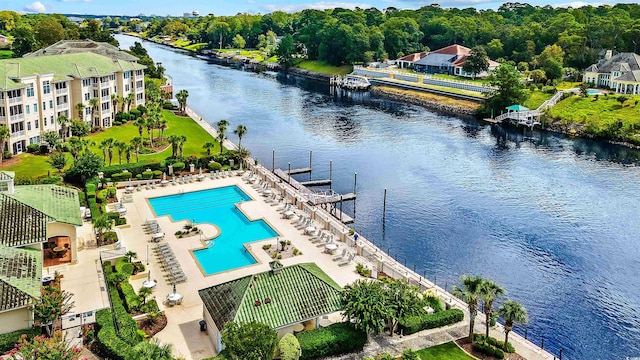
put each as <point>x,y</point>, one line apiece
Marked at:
<point>214,166</point>
<point>8,340</point>
<point>91,190</point>
<point>101,195</point>
<point>93,206</point>
<point>336,339</point>
<point>179,166</point>
<point>110,345</point>
<point>121,176</point>
<point>132,300</point>
<point>495,342</point>
<point>413,324</point>
<point>147,175</point>
<point>157,174</point>
<point>485,348</point>
<point>133,168</point>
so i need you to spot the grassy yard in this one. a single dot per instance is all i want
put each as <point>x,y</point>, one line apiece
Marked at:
<point>448,351</point>
<point>458,78</point>
<point>322,67</point>
<point>186,44</point>
<point>536,98</point>
<point>196,137</point>
<point>601,116</point>
<point>37,165</point>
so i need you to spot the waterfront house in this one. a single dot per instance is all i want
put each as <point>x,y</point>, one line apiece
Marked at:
<point>35,91</point>
<point>620,72</point>
<point>289,299</point>
<point>407,61</point>
<point>37,229</point>
<point>449,60</point>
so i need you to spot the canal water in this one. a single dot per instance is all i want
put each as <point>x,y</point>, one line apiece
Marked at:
<point>554,220</point>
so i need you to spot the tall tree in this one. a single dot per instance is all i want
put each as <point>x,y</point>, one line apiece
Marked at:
<point>249,341</point>
<point>136,145</point>
<point>94,103</point>
<point>469,293</point>
<point>222,129</point>
<point>80,108</point>
<point>364,306</point>
<point>513,313</point>
<point>476,62</point>
<point>85,166</point>
<point>5,134</point>
<point>42,347</point>
<point>240,130</point>
<point>182,96</point>
<point>402,300</point>
<point>48,31</point>
<point>510,90</point>
<point>64,122</point>
<point>489,292</point>
<point>285,51</point>
<point>49,308</point>
<point>58,160</point>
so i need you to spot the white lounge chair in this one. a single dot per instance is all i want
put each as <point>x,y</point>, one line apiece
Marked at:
<point>340,256</point>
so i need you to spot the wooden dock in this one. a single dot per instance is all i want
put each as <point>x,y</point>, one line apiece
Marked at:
<point>344,218</point>
<point>298,171</point>
<point>316,182</point>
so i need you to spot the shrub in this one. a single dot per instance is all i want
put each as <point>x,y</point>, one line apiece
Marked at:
<point>138,176</point>
<point>179,166</point>
<point>214,166</point>
<point>124,266</point>
<point>33,148</point>
<point>135,168</point>
<point>147,175</point>
<point>8,340</point>
<point>549,89</point>
<point>417,323</point>
<point>157,174</point>
<point>266,247</point>
<point>109,344</point>
<point>487,349</point>
<point>91,190</point>
<point>111,191</point>
<point>289,348</point>
<point>120,221</point>
<point>135,113</point>
<point>121,176</point>
<point>410,354</point>
<point>95,212</point>
<point>385,356</point>
<point>336,339</point>
<point>495,342</point>
<point>131,299</point>
<point>101,195</point>
<point>7,155</point>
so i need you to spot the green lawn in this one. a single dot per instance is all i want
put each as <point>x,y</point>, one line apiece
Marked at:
<point>186,44</point>
<point>34,166</point>
<point>458,78</point>
<point>196,137</point>
<point>322,67</point>
<point>536,98</point>
<point>448,351</point>
<point>601,117</point>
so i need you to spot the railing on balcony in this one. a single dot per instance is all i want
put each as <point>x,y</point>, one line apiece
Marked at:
<point>105,98</point>
<point>63,106</point>
<point>17,117</point>
<point>17,134</point>
<point>104,84</point>
<point>15,100</point>
<point>106,111</point>
<point>62,91</point>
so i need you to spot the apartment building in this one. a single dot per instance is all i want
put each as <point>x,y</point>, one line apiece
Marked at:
<point>35,91</point>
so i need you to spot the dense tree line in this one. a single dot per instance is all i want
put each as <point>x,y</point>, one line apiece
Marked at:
<point>515,32</point>
<point>31,32</point>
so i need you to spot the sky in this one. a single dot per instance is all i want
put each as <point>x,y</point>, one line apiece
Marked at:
<point>231,7</point>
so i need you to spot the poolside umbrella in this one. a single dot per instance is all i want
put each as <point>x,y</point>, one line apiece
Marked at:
<point>174,288</point>
<point>130,183</point>
<point>200,171</point>
<point>164,176</point>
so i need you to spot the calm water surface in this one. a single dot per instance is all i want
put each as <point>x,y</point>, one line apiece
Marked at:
<point>552,219</point>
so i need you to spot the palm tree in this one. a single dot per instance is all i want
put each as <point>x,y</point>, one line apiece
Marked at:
<point>222,128</point>
<point>513,313</point>
<point>75,146</point>
<point>208,146</point>
<point>114,102</point>
<point>102,224</point>
<point>94,103</point>
<point>5,134</point>
<point>174,140</point>
<point>80,107</point>
<point>162,124</point>
<point>136,144</point>
<point>150,123</point>
<point>144,293</point>
<point>86,144</point>
<point>122,149</point>
<point>129,99</point>
<point>182,96</point>
<point>121,102</point>
<point>469,293</point>
<point>489,292</point>
<point>63,121</point>
<point>151,350</point>
<point>130,255</point>
<point>240,131</point>
<point>183,139</point>
<point>140,123</point>
<point>126,149</point>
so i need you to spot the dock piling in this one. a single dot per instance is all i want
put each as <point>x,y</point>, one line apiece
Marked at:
<point>289,172</point>
<point>273,160</point>
<point>330,173</point>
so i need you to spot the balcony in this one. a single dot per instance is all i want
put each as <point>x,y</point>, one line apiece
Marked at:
<point>107,111</point>
<point>104,84</point>
<point>106,98</point>
<point>62,91</point>
<point>139,89</point>
<point>15,100</point>
<point>17,134</point>
<point>17,117</point>
<point>62,107</point>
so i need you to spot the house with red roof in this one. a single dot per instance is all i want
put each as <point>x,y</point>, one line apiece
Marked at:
<point>407,61</point>
<point>449,60</point>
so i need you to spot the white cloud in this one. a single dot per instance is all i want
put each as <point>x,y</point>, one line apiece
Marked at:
<point>35,7</point>
<point>74,0</point>
<point>321,5</point>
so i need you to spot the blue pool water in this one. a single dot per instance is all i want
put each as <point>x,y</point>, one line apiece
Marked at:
<point>216,206</point>
<point>594,92</point>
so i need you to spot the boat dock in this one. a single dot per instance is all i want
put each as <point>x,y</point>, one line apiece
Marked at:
<point>298,171</point>
<point>316,182</point>
<point>351,82</point>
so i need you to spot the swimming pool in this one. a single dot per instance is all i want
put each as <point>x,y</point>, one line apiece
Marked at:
<point>216,206</point>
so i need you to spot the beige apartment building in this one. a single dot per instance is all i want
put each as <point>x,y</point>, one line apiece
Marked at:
<point>35,91</point>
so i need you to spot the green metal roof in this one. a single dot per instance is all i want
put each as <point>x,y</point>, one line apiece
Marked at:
<point>20,276</point>
<point>517,107</point>
<point>297,293</point>
<point>60,203</point>
<point>21,224</point>
<point>63,67</point>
